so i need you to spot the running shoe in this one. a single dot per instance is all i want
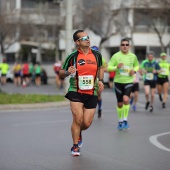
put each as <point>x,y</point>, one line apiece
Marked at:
<point>160,97</point>
<point>131,100</point>
<point>163,105</point>
<point>151,109</point>
<point>80,142</point>
<point>120,126</point>
<point>75,151</point>
<point>125,124</point>
<point>134,107</point>
<point>147,105</point>
<point>99,113</point>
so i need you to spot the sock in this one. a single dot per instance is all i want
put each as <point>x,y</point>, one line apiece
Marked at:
<point>160,97</point>
<point>75,145</point>
<point>99,104</point>
<point>120,114</point>
<point>126,111</point>
<point>80,136</point>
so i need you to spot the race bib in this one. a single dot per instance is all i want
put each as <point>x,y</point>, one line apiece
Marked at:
<point>124,71</point>
<point>164,71</point>
<point>149,76</point>
<point>86,82</point>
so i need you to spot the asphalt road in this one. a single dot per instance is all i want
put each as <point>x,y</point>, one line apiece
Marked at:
<point>40,139</point>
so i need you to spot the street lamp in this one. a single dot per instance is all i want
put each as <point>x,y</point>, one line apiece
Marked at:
<point>69,28</point>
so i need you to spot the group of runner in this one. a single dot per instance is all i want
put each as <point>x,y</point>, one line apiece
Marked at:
<point>155,74</point>
<point>84,92</point>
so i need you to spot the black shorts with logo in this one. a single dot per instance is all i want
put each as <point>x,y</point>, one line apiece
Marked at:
<point>89,101</point>
<point>123,89</point>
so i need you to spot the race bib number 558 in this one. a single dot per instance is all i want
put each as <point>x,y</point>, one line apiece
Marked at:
<point>86,82</point>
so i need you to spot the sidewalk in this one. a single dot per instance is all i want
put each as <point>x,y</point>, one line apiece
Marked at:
<point>33,106</point>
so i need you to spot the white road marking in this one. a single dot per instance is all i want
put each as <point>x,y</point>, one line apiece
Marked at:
<point>154,141</point>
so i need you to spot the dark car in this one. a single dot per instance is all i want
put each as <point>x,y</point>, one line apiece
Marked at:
<point>44,77</point>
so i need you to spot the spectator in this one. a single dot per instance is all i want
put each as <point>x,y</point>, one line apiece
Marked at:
<point>25,74</point>
<point>38,74</point>
<point>17,74</point>
<point>4,69</point>
<point>56,68</point>
<point>31,70</point>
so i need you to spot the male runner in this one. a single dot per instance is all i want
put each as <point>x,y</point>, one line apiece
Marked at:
<point>125,64</point>
<point>82,92</point>
<point>150,69</point>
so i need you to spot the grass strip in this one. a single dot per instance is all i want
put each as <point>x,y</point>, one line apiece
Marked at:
<point>29,98</point>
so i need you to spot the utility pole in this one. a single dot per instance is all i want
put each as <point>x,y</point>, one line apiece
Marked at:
<point>69,28</point>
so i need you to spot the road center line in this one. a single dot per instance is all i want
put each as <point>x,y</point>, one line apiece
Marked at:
<point>154,141</point>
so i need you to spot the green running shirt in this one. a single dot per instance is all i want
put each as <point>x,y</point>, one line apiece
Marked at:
<point>165,67</point>
<point>130,62</point>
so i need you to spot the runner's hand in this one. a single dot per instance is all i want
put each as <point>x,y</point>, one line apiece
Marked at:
<point>154,71</point>
<point>132,72</point>
<point>120,65</point>
<point>71,69</point>
<point>101,86</point>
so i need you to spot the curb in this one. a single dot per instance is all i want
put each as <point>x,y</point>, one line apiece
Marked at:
<point>33,106</point>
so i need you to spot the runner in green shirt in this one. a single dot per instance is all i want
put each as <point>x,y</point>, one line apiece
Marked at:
<point>125,64</point>
<point>163,81</point>
<point>150,68</point>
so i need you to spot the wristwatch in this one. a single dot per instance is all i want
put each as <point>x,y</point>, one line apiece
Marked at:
<point>66,73</point>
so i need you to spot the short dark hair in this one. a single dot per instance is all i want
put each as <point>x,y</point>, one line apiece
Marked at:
<point>125,39</point>
<point>75,37</point>
<point>150,52</point>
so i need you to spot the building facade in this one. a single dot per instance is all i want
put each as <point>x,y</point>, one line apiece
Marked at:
<point>35,29</point>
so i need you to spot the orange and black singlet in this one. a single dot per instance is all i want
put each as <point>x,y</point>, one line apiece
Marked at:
<point>87,68</point>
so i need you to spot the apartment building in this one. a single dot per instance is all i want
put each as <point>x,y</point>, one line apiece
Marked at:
<point>33,28</point>
<point>145,23</point>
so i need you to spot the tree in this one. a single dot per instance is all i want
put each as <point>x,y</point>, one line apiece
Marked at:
<point>96,15</point>
<point>38,25</point>
<point>99,17</point>
<point>7,35</point>
<point>156,14</point>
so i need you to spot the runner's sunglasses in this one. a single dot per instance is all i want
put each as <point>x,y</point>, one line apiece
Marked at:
<point>84,38</point>
<point>124,44</point>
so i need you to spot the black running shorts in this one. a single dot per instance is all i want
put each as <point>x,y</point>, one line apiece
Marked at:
<point>135,87</point>
<point>151,83</point>
<point>123,89</point>
<point>161,81</point>
<point>89,101</point>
